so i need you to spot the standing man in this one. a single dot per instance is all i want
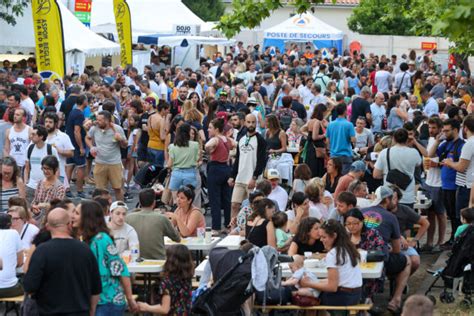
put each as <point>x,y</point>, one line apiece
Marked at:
<point>105,140</point>
<point>402,80</point>
<point>378,113</point>
<point>17,138</point>
<point>37,150</point>
<point>341,135</point>
<point>27,104</point>
<point>71,101</point>
<point>361,106</point>
<point>63,273</point>
<point>249,164</point>
<point>431,106</point>
<point>76,132</point>
<point>383,78</point>
<point>364,136</point>
<point>60,141</point>
<point>321,79</point>
<point>4,126</point>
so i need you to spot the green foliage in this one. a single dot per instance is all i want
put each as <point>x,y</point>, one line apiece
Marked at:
<point>11,9</point>
<point>208,10</point>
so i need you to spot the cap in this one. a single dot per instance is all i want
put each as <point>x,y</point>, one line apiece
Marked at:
<point>252,100</point>
<point>118,204</point>
<point>273,174</point>
<point>358,166</point>
<point>462,87</point>
<point>411,62</point>
<point>137,93</point>
<point>223,93</point>
<point>381,193</point>
<point>29,81</point>
<point>151,100</point>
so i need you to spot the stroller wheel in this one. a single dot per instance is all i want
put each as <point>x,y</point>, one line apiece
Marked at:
<point>432,298</point>
<point>446,297</point>
<point>466,302</point>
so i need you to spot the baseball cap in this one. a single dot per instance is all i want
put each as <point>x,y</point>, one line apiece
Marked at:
<point>273,174</point>
<point>411,62</point>
<point>29,81</point>
<point>137,93</point>
<point>251,100</point>
<point>358,166</point>
<point>151,100</point>
<point>118,204</point>
<point>381,193</point>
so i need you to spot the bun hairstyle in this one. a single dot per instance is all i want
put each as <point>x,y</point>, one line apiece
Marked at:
<point>188,191</point>
<point>218,124</point>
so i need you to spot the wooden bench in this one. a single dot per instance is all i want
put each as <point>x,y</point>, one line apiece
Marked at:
<point>11,304</point>
<point>353,310</point>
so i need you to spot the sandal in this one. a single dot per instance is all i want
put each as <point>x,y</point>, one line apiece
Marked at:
<point>394,309</point>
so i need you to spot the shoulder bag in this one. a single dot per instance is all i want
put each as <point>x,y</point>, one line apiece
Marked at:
<point>396,176</point>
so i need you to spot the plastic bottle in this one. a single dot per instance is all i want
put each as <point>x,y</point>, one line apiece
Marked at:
<point>134,252</point>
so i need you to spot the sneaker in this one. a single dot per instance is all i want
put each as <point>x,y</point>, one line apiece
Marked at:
<point>447,245</point>
<point>436,249</point>
<point>426,248</point>
<point>81,195</point>
<point>127,196</point>
<point>70,195</point>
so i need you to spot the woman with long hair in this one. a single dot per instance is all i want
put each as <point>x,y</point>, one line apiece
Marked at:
<point>397,116</point>
<point>211,113</point>
<point>183,157</point>
<point>333,173</point>
<point>12,183</point>
<point>177,121</point>
<point>259,229</point>
<point>344,283</point>
<point>315,147</point>
<point>88,219</point>
<point>196,101</point>
<point>307,238</point>
<point>276,138</point>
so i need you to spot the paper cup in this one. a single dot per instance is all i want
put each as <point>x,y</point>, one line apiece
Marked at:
<point>363,255</point>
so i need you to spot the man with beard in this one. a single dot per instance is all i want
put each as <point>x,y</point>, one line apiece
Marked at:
<point>237,120</point>
<point>249,164</point>
<point>60,141</point>
<point>108,139</point>
<point>17,138</point>
<point>447,145</point>
<point>176,104</point>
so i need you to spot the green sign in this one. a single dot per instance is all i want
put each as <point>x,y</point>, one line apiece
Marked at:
<point>84,17</point>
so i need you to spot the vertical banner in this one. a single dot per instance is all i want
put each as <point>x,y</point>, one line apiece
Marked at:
<point>82,11</point>
<point>124,31</point>
<point>49,39</point>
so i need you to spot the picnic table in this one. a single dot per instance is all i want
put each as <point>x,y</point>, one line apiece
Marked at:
<point>147,268</point>
<point>231,242</point>
<point>196,244</point>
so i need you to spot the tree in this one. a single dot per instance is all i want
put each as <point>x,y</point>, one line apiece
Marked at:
<point>208,10</point>
<point>11,9</point>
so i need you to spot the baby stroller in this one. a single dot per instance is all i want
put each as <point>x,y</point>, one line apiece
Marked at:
<point>232,272</point>
<point>152,176</point>
<point>462,256</point>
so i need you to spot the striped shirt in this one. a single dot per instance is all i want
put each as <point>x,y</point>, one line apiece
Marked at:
<point>5,195</point>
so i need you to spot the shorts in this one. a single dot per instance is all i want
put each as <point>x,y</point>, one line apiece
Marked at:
<point>239,193</point>
<point>142,152</point>
<point>156,157</point>
<point>180,177</point>
<point>410,252</point>
<point>134,154</point>
<point>103,174</point>
<point>436,197</point>
<point>123,153</point>
<point>395,264</point>
<point>77,160</point>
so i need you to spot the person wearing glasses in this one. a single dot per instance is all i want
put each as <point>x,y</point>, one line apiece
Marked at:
<point>20,223</point>
<point>344,283</point>
<point>48,189</point>
<point>12,183</point>
<point>11,253</point>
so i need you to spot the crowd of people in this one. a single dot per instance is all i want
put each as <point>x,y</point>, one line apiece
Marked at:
<point>295,151</point>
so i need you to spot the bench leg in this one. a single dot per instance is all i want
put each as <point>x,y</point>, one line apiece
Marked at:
<point>14,307</point>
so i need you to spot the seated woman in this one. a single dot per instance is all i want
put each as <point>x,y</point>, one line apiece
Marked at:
<point>259,229</point>
<point>294,133</point>
<point>367,239</point>
<point>307,238</point>
<point>300,210</point>
<point>333,173</point>
<point>319,204</point>
<point>247,210</point>
<point>187,218</point>
<point>11,254</point>
<point>20,223</point>
<point>343,287</point>
<point>302,175</point>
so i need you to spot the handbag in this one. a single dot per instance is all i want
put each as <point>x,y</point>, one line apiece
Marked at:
<point>320,152</point>
<point>396,176</point>
<point>300,300</point>
<point>167,196</point>
<point>29,307</point>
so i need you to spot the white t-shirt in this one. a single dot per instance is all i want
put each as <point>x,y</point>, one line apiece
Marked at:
<point>248,158</point>
<point>467,153</point>
<point>62,142</point>
<point>28,105</point>
<point>132,136</point>
<point>433,176</point>
<point>36,174</point>
<point>349,276</point>
<point>125,237</point>
<point>28,232</point>
<point>364,139</point>
<point>280,196</point>
<point>163,88</point>
<point>383,80</point>
<point>10,245</point>
<point>363,202</point>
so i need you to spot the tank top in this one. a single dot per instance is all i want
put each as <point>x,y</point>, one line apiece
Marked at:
<point>257,235</point>
<point>221,153</point>
<point>273,142</point>
<point>5,195</point>
<point>154,140</point>
<point>331,188</point>
<point>18,145</point>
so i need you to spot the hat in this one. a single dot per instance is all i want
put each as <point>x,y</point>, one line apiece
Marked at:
<point>137,93</point>
<point>118,204</point>
<point>252,100</point>
<point>223,93</point>
<point>411,62</point>
<point>381,193</point>
<point>273,174</point>
<point>358,166</point>
<point>29,81</point>
<point>462,88</point>
<point>151,100</point>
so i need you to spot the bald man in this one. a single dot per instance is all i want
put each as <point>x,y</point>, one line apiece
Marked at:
<point>377,109</point>
<point>249,164</point>
<point>63,272</point>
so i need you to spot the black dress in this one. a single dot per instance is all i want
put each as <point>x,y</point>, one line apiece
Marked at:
<point>315,164</point>
<point>257,235</point>
<point>331,188</point>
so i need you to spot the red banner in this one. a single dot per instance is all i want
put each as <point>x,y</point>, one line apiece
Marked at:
<point>83,6</point>
<point>425,45</point>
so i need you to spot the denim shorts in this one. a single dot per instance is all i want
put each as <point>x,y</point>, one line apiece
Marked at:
<point>156,157</point>
<point>134,154</point>
<point>410,251</point>
<point>110,309</point>
<point>77,159</point>
<point>180,177</point>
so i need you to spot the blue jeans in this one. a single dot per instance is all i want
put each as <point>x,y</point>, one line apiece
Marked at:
<point>156,157</point>
<point>180,177</point>
<point>219,193</point>
<point>341,298</point>
<point>109,310</point>
<point>346,163</point>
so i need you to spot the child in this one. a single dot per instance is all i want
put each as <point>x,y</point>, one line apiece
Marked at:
<point>467,218</point>
<point>133,122</point>
<point>280,221</point>
<point>176,285</point>
<point>299,271</point>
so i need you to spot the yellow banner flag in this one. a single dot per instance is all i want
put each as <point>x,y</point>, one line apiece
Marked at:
<point>124,31</point>
<point>49,39</point>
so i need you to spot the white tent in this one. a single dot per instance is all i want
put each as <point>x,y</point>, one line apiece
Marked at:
<point>79,41</point>
<point>148,17</point>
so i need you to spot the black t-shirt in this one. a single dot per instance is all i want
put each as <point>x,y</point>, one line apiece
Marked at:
<point>68,105</point>
<point>302,248</point>
<point>299,109</point>
<point>407,217</point>
<point>360,107</point>
<point>76,118</point>
<point>63,275</point>
<point>143,121</point>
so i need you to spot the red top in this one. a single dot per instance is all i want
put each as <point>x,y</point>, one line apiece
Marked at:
<point>221,153</point>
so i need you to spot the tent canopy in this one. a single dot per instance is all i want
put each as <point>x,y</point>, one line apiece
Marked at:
<point>148,16</point>
<point>303,28</point>
<point>182,40</point>
<point>77,37</point>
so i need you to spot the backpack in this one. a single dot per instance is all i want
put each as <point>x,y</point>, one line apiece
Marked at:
<point>49,150</point>
<point>285,120</point>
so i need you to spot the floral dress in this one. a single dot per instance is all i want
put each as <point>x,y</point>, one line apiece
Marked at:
<point>111,268</point>
<point>180,292</point>
<point>371,240</point>
<point>242,217</point>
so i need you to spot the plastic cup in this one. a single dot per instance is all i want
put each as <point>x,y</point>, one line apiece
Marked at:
<point>363,255</point>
